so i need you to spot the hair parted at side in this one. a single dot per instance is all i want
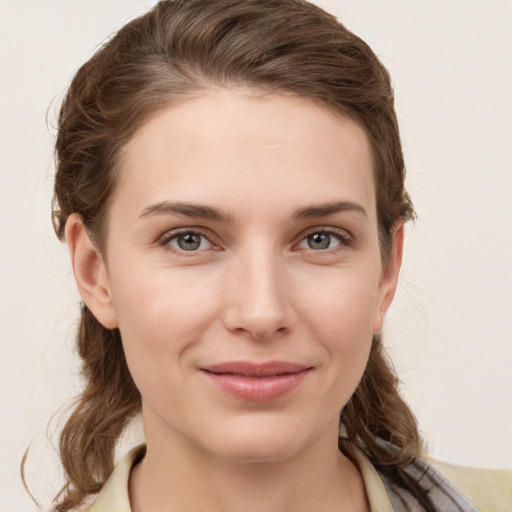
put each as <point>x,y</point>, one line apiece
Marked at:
<point>182,47</point>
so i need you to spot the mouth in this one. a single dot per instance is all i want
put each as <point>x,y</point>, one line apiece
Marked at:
<point>257,382</point>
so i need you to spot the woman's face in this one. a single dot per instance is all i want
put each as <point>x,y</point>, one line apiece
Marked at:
<point>244,272</point>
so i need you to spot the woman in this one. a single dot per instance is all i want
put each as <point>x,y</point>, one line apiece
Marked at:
<point>231,187</point>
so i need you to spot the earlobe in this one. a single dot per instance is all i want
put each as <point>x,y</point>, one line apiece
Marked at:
<point>390,273</point>
<point>90,272</point>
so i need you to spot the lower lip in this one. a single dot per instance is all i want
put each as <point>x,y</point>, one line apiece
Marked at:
<point>257,389</point>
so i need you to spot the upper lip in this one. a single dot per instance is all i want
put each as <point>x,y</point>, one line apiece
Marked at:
<point>250,369</point>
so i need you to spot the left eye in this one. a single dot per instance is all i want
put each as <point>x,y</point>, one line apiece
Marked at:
<point>189,241</point>
<point>320,241</point>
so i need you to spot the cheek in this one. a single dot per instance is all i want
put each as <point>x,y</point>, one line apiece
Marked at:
<point>341,305</point>
<point>162,313</point>
<point>340,318</point>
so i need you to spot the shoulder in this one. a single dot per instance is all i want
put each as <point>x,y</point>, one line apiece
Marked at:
<point>488,489</point>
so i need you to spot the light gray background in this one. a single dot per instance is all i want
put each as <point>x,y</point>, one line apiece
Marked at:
<point>449,330</point>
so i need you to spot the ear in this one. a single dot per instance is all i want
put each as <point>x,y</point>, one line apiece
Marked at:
<point>90,272</point>
<point>389,277</point>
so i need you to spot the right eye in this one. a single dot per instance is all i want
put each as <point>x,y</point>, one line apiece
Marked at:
<point>187,241</point>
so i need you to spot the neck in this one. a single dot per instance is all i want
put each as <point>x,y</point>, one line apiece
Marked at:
<point>175,477</point>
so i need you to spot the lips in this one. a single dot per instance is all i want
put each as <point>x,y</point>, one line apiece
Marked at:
<point>257,382</point>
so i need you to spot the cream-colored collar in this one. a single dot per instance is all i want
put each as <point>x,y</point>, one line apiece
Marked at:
<point>114,495</point>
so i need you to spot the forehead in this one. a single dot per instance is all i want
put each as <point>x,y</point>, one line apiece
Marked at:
<point>245,148</point>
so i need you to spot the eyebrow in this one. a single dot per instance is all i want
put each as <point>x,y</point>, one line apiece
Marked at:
<point>322,210</point>
<point>207,212</point>
<point>188,210</point>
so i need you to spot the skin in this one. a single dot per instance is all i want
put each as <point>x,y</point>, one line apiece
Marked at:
<point>254,290</point>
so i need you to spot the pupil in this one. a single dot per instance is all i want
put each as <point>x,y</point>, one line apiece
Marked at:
<point>189,241</point>
<point>319,241</point>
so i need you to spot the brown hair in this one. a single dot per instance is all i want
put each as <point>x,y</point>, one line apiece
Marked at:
<point>180,47</point>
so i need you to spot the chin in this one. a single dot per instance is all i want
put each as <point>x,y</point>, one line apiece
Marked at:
<point>251,452</point>
<point>258,442</point>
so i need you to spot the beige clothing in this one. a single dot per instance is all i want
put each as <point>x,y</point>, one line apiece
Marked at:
<point>487,490</point>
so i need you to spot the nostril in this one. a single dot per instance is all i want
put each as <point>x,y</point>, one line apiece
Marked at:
<point>257,304</point>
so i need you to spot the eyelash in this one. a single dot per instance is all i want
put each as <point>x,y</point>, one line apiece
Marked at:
<point>168,237</point>
<point>341,235</point>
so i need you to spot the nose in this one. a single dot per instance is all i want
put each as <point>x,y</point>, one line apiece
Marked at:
<point>258,296</point>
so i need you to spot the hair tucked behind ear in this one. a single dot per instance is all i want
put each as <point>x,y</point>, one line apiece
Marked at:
<point>379,422</point>
<point>100,414</point>
<point>182,47</point>
<point>376,412</point>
